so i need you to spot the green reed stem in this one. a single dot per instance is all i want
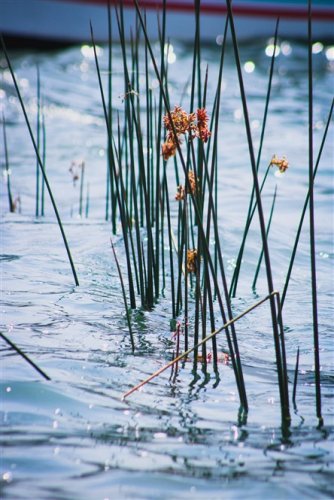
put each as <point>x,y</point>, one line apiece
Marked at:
<point>312,222</point>
<point>125,209</point>
<point>24,356</point>
<point>239,379</point>
<point>8,172</point>
<point>170,245</point>
<point>82,179</point>
<point>283,351</point>
<point>283,390</point>
<point>198,50</point>
<point>44,161</point>
<point>251,209</point>
<point>181,249</point>
<point>295,380</point>
<point>87,202</point>
<point>158,152</point>
<point>214,161</point>
<point>110,188</point>
<point>124,296</point>
<point>267,233</point>
<point>186,274</point>
<point>38,135</point>
<point>208,298</point>
<point>162,239</point>
<point>124,219</point>
<point>235,356</point>
<point>40,161</point>
<point>133,128</point>
<point>294,251</point>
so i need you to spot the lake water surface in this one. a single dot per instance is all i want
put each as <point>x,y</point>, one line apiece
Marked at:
<point>73,437</point>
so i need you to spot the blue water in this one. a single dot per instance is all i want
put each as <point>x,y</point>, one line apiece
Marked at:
<point>73,437</point>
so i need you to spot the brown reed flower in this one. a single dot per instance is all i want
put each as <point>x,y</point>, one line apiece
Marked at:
<point>192,182</point>
<point>202,125</point>
<point>192,261</point>
<point>180,193</point>
<point>168,149</point>
<point>181,120</point>
<point>178,122</point>
<point>281,163</point>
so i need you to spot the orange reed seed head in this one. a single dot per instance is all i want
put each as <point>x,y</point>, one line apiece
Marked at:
<point>192,261</point>
<point>180,193</point>
<point>202,125</point>
<point>168,149</point>
<point>281,163</point>
<point>180,120</point>
<point>202,117</point>
<point>192,181</point>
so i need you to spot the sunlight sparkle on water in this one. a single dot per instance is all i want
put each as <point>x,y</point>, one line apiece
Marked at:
<point>7,477</point>
<point>249,67</point>
<point>169,52</point>
<point>271,48</point>
<point>286,48</point>
<point>317,47</point>
<point>88,51</point>
<point>330,53</point>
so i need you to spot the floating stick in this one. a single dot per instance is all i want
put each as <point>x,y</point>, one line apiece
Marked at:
<point>190,350</point>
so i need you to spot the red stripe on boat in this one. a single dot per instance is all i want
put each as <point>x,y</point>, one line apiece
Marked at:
<point>324,14</point>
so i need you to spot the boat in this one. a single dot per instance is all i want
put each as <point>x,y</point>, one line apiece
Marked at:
<point>68,21</point>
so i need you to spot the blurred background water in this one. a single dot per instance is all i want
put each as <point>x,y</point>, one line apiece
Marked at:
<point>73,437</point>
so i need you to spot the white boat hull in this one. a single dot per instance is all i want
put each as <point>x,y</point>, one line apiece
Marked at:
<point>69,20</point>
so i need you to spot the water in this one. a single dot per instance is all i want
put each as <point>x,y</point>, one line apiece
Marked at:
<point>74,437</point>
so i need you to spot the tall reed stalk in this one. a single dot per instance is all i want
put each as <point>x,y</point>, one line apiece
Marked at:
<point>119,193</point>
<point>38,140</point>
<point>302,217</point>
<point>40,163</point>
<point>252,205</point>
<point>283,388</point>
<point>312,223</point>
<point>232,343</point>
<point>24,356</point>
<point>8,170</point>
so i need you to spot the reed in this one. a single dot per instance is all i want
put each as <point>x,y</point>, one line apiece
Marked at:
<point>283,388</point>
<point>24,356</point>
<point>8,170</point>
<point>295,379</point>
<point>124,219</point>
<point>306,202</point>
<point>40,163</point>
<point>312,223</point>
<point>38,142</point>
<point>185,166</point>
<point>124,296</point>
<point>267,233</point>
<point>81,192</point>
<point>186,353</point>
<point>43,159</point>
<point>167,254</point>
<point>252,204</point>
<point>87,202</point>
